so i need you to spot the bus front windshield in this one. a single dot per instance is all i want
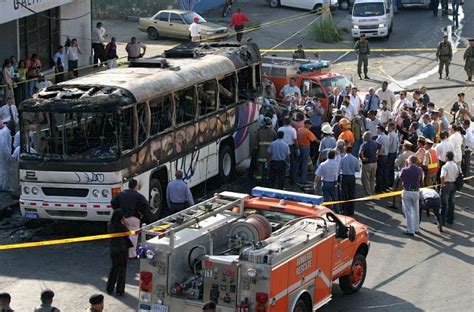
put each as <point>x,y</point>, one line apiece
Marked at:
<point>69,136</point>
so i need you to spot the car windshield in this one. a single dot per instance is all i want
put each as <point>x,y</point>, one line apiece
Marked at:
<point>368,9</point>
<point>338,81</point>
<point>189,18</point>
<point>69,136</point>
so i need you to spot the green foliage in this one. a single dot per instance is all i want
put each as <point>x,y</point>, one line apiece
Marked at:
<point>325,30</point>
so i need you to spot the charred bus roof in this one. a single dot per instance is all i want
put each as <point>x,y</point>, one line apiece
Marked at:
<point>144,79</point>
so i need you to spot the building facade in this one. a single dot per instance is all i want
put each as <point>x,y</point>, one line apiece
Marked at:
<point>39,26</point>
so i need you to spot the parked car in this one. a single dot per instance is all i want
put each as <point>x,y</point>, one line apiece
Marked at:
<point>175,24</point>
<point>303,4</point>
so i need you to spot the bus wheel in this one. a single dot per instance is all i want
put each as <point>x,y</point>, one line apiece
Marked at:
<point>156,198</point>
<point>351,283</point>
<point>226,163</point>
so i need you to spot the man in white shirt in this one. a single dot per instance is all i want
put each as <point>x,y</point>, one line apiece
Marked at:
<point>449,174</point>
<point>356,102</point>
<point>455,138</point>
<point>290,138</point>
<point>98,40</point>
<point>9,112</point>
<point>384,114</point>
<point>72,52</point>
<point>42,83</point>
<point>468,147</point>
<point>135,49</point>
<point>195,30</point>
<point>443,120</point>
<point>443,147</point>
<point>386,94</point>
<point>401,103</point>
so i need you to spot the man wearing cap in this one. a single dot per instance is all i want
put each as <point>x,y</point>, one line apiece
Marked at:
<point>346,134</point>
<point>411,179</point>
<point>363,51</point>
<point>97,303</point>
<point>195,30</point>
<point>430,163</point>
<point>444,54</point>
<point>469,60</point>
<point>46,302</point>
<point>328,142</point>
<point>265,136</point>
<point>368,156</point>
<point>5,300</point>
<point>460,103</point>
<point>381,175</point>
<point>305,138</point>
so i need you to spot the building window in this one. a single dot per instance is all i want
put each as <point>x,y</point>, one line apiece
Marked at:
<point>39,33</point>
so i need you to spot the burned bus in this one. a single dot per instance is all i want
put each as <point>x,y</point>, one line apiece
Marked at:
<point>191,109</point>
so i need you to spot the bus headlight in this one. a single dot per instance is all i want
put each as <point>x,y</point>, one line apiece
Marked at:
<point>26,189</point>
<point>96,193</point>
<point>105,193</point>
<point>34,190</point>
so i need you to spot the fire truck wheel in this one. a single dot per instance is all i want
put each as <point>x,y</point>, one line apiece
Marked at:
<point>301,306</point>
<point>353,282</point>
<point>226,163</point>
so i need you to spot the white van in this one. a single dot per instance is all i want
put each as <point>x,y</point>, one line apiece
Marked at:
<point>374,18</point>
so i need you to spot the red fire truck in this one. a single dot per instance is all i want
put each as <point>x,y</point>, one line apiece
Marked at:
<point>274,251</point>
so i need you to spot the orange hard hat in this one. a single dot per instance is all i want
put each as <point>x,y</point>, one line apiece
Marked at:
<point>344,122</point>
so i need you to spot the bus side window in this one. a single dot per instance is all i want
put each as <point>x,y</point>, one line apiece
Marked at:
<point>185,108</point>
<point>227,90</point>
<point>245,82</point>
<point>207,97</point>
<point>257,76</point>
<point>143,114</point>
<point>161,114</point>
<point>126,126</point>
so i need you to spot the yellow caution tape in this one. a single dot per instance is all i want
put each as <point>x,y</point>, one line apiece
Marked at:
<point>352,50</point>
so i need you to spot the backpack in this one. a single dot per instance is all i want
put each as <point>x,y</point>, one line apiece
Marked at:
<point>459,180</point>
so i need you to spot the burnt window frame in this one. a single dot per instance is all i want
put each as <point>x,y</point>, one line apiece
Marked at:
<point>176,107</point>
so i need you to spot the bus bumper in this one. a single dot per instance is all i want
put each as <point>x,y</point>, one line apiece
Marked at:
<point>36,209</point>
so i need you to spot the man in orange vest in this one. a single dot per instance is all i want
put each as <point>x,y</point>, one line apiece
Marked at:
<point>430,163</point>
<point>346,134</point>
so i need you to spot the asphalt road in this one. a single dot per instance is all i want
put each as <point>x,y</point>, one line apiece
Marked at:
<point>432,272</point>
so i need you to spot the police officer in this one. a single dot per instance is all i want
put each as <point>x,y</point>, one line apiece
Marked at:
<point>434,4</point>
<point>349,166</point>
<point>444,54</point>
<point>363,51</point>
<point>279,155</point>
<point>265,136</point>
<point>178,194</point>
<point>97,303</point>
<point>328,172</point>
<point>5,300</point>
<point>135,207</point>
<point>469,60</point>
<point>46,302</point>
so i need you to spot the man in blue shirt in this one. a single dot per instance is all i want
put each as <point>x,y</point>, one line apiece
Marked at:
<point>328,172</point>
<point>349,166</point>
<point>279,155</point>
<point>427,128</point>
<point>178,194</point>
<point>58,59</point>
<point>381,175</point>
<point>290,89</point>
<point>368,157</point>
<point>371,101</point>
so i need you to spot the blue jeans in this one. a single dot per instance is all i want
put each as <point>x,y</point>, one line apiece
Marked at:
<point>411,209</point>
<point>447,202</point>
<point>304,157</point>
<point>329,191</point>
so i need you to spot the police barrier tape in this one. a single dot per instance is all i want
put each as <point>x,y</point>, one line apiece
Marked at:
<point>163,227</point>
<point>352,50</point>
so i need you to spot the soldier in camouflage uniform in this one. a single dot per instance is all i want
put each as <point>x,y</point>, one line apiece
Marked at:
<point>469,60</point>
<point>363,51</point>
<point>265,136</point>
<point>444,54</point>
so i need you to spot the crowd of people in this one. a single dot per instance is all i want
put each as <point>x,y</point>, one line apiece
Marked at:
<point>379,135</point>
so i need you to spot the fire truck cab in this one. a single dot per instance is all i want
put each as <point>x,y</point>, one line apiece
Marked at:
<point>313,76</point>
<point>273,251</point>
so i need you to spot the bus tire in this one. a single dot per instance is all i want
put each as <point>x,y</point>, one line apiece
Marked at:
<point>157,198</point>
<point>152,33</point>
<point>274,3</point>
<point>351,283</point>
<point>226,163</point>
<point>301,306</point>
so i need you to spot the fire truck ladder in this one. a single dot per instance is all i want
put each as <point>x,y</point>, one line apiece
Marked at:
<point>193,215</point>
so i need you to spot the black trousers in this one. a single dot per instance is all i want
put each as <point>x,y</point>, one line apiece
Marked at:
<point>118,271</point>
<point>277,173</point>
<point>466,163</point>
<point>72,67</point>
<point>99,52</point>
<point>391,169</point>
<point>433,204</point>
<point>238,30</point>
<point>381,174</point>
<point>176,207</point>
<point>348,189</point>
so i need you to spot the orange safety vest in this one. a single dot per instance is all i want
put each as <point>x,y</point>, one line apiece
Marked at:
<point>433,163</point>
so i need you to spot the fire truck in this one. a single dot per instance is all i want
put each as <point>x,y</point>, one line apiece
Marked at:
<point>313,76</point>
<point>270,251</point>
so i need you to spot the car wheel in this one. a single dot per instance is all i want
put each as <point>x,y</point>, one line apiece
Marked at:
<point>351,283</point>
<point>152,33</point>
<point>226,163</point>
<point>156,197</point>
<point>274,3</point>
<point>317,8</point>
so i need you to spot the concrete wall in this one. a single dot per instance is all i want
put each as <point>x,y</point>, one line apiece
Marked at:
<point>9,44</point>
<point>202,6</point>
<point>78,28</point>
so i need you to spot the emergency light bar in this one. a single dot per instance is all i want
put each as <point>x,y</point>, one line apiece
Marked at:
<point>314,66</point>
<point>293,196</point>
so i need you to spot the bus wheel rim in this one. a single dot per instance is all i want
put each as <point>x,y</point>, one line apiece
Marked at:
<point>155,199</point>
<point>226,164</point>
<point>357,273</point>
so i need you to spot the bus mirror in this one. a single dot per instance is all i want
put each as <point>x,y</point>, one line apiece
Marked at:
<point>352,233</point>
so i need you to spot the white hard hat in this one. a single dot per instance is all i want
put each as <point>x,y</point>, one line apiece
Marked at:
<point>327,129</point>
